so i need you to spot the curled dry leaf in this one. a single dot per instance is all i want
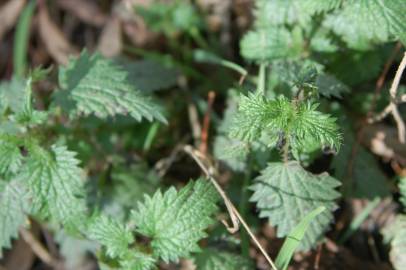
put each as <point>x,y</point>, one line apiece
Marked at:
<point>85,10</point>
<point>9,14</point>
<point>133,25</point>
<point>383,141</point>
<point>110,43</point>
<point>55,42</point>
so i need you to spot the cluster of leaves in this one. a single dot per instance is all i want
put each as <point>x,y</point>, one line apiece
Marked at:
<point>310,54</point>
<point>42,179</point>
<point>296,44</point>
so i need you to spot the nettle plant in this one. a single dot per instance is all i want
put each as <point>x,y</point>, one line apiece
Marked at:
<point>42,179</point>
<point>310,53</point>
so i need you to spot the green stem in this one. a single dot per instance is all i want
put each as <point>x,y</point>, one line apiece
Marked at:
<point>261,78</point>
<point>197,37</point>
<point>21,40</point>
<point>243,207</point>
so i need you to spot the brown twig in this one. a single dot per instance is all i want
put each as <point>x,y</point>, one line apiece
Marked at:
<point>206,123</point>
<point>318,257</point>
<point>378,88</point>
<point>194,122</point>
<point>232,211</point>
<point>39,249</point>
<point>392,106</point>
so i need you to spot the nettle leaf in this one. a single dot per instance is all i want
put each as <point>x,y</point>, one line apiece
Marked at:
<point>277,12</point>
<point>214,259</point>
<point>308,75</point>
<point>329,86</point>
<point>280,117</point>
<point>113,235</point>
<point>267,44</point>
<point>175,221</point>
<point>10,155</point>
<point>364,22</point>
<point>364,179</point>
<point>395,234</point>
<point>56,183</point>
<point>136,260</point>
<point>13,211</point>
<point>402,190</point>
<point>149,76</point>
<point>93,84</point>
<point>12,95</point>
<point>286,193</point>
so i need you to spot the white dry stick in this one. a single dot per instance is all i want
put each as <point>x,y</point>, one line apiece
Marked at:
<point>39,249</point>
<point>392,106</point>
<point>233,212</point>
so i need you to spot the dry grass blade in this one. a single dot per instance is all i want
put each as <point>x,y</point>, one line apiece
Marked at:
<point>55,42</point>
<point>9,14</point>
<point>232,211</point>
<point>392,107</point>
<point>87,11</point>
<point>110,43</point>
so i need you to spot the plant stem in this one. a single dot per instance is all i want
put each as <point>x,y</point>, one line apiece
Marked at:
<point>21,40</point>
<point>261,78</point>
<point>245,245</point>
<point>286,151</point>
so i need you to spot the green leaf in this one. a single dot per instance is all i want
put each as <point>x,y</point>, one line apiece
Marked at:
<point>329,86</point>
<point>113,235</point>
<point>292,241</point>
<point>176,220</point>
<point>149,76</point>
<point>286,193</point>
<point>214,259</point>
<point>10,155</point>
<point>267,44</point>
<point>395,233</point>
<point>117,240</point>
<point>136,260</point>
<point>56,184</point>
<point>402,190</point>
<point>12,95</point>
<point>282,118</point>
<point>362,23</point>
<point>13,211</point>
<point>365,179</point>
<point>278,12</point>
<point>93,84</point>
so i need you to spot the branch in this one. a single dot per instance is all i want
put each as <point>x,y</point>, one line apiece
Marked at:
<point>392,106</point>
<point>39,249</point>
<point>233,212</point>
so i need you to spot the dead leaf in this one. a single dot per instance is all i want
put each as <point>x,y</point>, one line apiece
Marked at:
<point>133,25</point>
<point>9,14</point>
<point>383,141</point>
<point>110,43</point>
<point>20,257</point>
<point>55,42</point>
<point>85,10</point>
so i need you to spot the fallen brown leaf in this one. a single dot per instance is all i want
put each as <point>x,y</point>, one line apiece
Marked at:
<point>110,43</point>
<point>55,42</point>
<point>9,14</point>
<point>85,10</point>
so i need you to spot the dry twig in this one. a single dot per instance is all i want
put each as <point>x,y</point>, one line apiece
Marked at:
<point>39,249</point>
<point>206,122</point>
<point>232,211</point>
<point>392,106</point>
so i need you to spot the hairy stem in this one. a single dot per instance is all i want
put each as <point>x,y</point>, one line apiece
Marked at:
<point>261,78</point>
<point>286,151</point>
